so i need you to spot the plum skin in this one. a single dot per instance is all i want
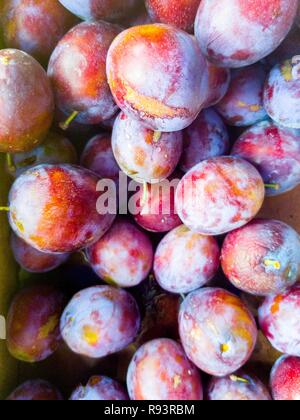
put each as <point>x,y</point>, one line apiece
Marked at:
<point>27,112</point>
<point>35,390</point>
<point>100,321</point>
<point>33,323</point>
<point>279,318</point>
<point>64,199</point>
<point>217,331</point>
<point>185,261</point>
<point>160,91</point>
<point>285,379</point>
<point>123,256</point>
<point>160,370</point>
<point>262,258</point>
<point>99,388</point>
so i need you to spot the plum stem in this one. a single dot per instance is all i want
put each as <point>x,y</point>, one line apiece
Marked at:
<point>273,186</point>
<point>235,378</point>
<point>10,163</point>
<point>224,348</point>
<point>156,136</point>
<point>65,125</point>
<point>5,208</point>
<point>272,263</point>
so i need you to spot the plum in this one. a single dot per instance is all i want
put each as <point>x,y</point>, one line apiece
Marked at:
<point>100,321</point>
<point>179,13</point>
<point>153,72</point>
<point>215,82</point>
<point>279,318</point>
<point>238,387</point>
<point>285,379</point>
<point>78,75</point>
<point>53,208</point>
<point>275,152</point>
<point>100,388</point>
<point>35,390</point>
<point>26,102</point>
<point>145,155</point>
<point>281,94</point>
<point>123,256</point>
<point>33,323</point>
<point>217,331</point>
<point>55,149</point>
<point>207,137</point>
<point>160,370</point>
<point>35,26</point>
<point>262,258</point>
<point>185,261</point>
<point>99,158</point>
<point>237,33</point>
<point>35,261</point>
<point>243,104</point>
<point>219,195</point>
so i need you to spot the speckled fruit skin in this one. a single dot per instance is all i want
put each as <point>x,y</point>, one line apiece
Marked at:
<point>77,69</point>
<point>217,331</point>
<point>279,318</point>
<point>156,206</point>
<point>185,261</point>
<point>219,195</point>
<point>160,370</point>
<point>100,321</point>
<point>237,33</point>
<point>144,155</point>
<point>238,387</point>
<point>207,137</point>
<point>99,9</point>
<point>216,82</point>
<point>54,208</point>
<point>282,94</point>
<point>262,258</point>
<point>100,388</point>
<point>26,102</point>
<point>35,261</point>
<point>33,323</point>
<point>285,379</point>
<point>153,71</point>
<point>179,13</point>
<point>124,256</point>
<point>287,49</point>
<point>35,26</point>
<point>35,390</point>
<point>99,158</point>
<point>55,149</point>
<point>243,104</point>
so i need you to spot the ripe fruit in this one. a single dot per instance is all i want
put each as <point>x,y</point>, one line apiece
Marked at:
<point>100,388</point>
<point>35,390</point>
<point>153,71</point>
<point>78,75</point>
<point>217,331</point>
<point>262,258</point>
<point>236,33</point>
<point>26,102</point>
<point>160,370</point>
<point>285,379</point>
<point>123,257</point>
<point>287,49</point>
<point>33,323</point>
<point>219,195</point>
<point>145,155</point>
<point>100,321</point>
<point>53,208</point>
<point>275,152</point>
<point>185,261</point>
<point>279,318</point>
<point>216,82</point>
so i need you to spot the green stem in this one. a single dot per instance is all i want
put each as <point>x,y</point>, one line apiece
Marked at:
<point>273,186</point>
<point>7,209</point>
<point>65,125</point>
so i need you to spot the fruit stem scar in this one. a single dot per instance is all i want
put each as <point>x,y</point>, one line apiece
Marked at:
<point>156,136</point>
<point>4,208</point>
<point>273,186</point>
<point>65,125</point>
<point>272,263</point>
<point>235,378</point>
<point>224,348</point>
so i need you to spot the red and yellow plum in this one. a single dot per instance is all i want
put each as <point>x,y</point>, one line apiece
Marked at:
<point>35,390</point>
<point>100,388</point>
<point>262,258</point>
<point>33,323</point>
<point>100,321</point>
<point>217,331</point>
<point>53,208</point>
<point>185,261</point>
<point>78,75</point>
<point>279,318</point>
<point>160,370</point>
<point>237,33</point>
<point>124,256</point>
<point>153,71</point>
<point>219,195</point>
<point>285,379</point>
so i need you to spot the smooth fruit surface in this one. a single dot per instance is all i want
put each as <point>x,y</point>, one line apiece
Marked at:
<point>285,379</point>
<point>100,388</point>
<point>35,390</point>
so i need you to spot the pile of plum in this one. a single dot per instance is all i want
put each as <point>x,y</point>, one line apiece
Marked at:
<point>189,304</point>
